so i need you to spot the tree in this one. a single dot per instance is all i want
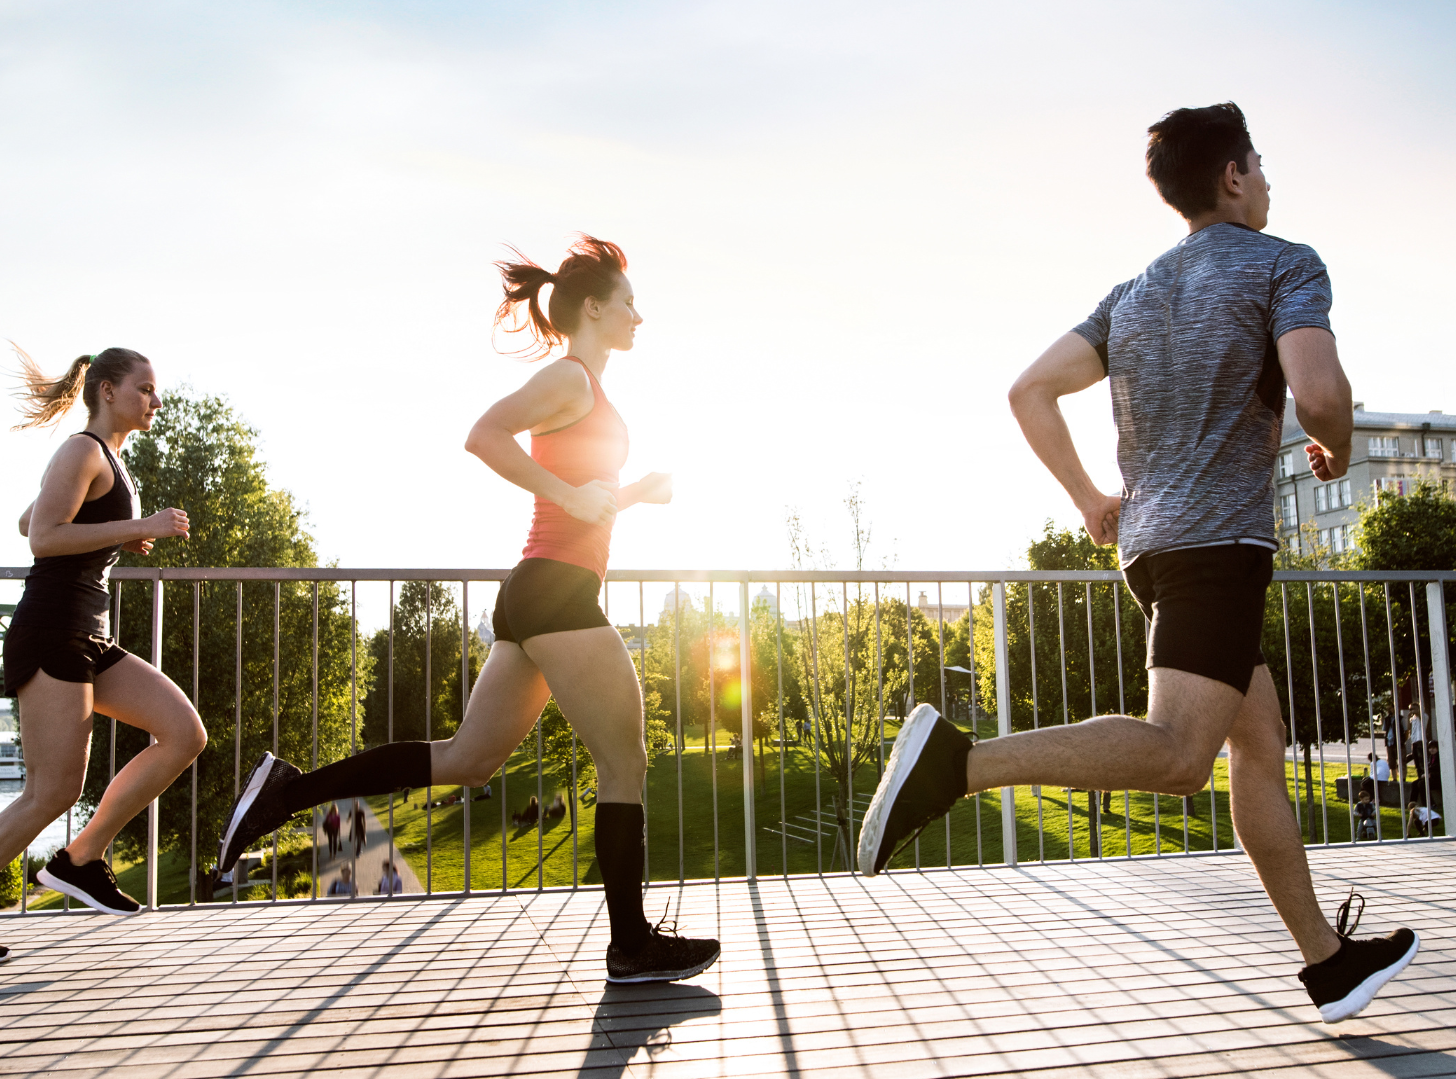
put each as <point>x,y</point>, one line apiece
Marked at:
<point>200,456</point>
<point>397,712</point>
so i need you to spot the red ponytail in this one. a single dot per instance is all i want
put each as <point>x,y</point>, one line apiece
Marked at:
<point>593,268</point>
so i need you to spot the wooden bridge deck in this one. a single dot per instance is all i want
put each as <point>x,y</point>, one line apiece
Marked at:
<point>1169,968</point>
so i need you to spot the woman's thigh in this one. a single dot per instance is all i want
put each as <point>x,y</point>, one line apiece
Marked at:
<point>508,696</point>
<point>592,677</point>
<point>137,694</point>
<point>55,728</point>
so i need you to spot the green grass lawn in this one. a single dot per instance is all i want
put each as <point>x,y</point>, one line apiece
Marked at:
<point>969,835</point>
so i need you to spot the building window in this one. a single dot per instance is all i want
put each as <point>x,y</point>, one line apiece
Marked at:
<point>1385,446</point>
<point>1286,463</point>
<point>1288,512</point>
<point>1319,500</point>
<point>1345,499</point>
<point>1434,448</point>
<point>1397,485</point>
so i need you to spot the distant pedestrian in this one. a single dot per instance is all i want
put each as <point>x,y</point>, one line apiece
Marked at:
<point>1393,746</point>
<point>1365,816</point>
<point>344,886</point>
<point>389,881</point>
<point>1417,741</point>
<point>331,828</point>
<point>1421,819</point>
<point>357,828</point>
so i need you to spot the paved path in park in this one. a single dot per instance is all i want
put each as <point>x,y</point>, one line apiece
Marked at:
<point>368,864</point>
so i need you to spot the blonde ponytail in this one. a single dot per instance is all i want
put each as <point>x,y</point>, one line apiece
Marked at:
<point>44,400</point>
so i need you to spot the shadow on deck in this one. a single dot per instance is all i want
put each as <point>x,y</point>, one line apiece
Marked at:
<point>1176,967</point>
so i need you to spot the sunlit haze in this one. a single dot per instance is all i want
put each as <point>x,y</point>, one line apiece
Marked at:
<point>849,226</point>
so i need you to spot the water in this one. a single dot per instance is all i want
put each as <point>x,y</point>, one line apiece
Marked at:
<point>53,836</point>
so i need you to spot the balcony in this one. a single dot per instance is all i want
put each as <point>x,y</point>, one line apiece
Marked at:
<point>1037,930</point>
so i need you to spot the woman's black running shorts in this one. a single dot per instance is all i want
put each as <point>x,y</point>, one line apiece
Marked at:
<point>67,655</point>
<point>542,595</point>
<point>1207,609</point>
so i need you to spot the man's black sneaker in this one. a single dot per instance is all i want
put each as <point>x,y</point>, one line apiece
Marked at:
<point>925,777</point>
<point>666,957</point>
<point>259,809</point>
<point>1343,984</point>
<point>91,883</point>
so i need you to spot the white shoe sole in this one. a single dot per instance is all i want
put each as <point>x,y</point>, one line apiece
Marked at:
<point>55,884</point>
<point>1359,997</point>
<point>256,779</point>
<point>908,744</point>
<point>676,976</point>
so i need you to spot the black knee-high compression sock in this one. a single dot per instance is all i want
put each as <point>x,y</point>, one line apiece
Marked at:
<point>382,770</point>
<point>619,841</point>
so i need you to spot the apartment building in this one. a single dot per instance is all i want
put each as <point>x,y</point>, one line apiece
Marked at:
<point>1389,452</point>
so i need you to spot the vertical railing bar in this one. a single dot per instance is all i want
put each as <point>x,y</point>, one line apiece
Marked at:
<point>197,704</point>
<point>1094,816</point>
<point>110,859</point>
<point>468,804</point>
<point>238,723</point>
<point>642,689</point>
<point>783,734</point>
<point>1344,709</point>
<point>540,790</point>
<point>1121,707</point>
<point>1423,768</point>
<point>745,689</point>
<point>879,687</point>
<point>277,673</point>
<point>1035,712</point>
<point>818,711</point>
<point>677,705</point>
<point>1001,634</point>
<point>1066,712</point>
<point>940,636</point>
<point>313,813</point>
<point>1289,673</point>
<point>1395,715</point>
<point>154,807</point>
<point>849,854</point>
<point>389,738</point>
<point>910,668</point>
<point>974,706</point>
<point>1157,798</point>
<point>1319,735</point>
<point>430,788</point>
<point>1370,710</point>
<point>353,710</point>
<point>1439,727</point>
<point>713,720</point>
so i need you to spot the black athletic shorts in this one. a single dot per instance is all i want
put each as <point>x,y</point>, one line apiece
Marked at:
<point>65,654</point>
<point>542,595</point>
<point>1207,609</point>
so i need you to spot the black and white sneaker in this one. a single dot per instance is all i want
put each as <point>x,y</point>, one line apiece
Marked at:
<point>91,883</point>
<point>925,777</point>
<point>1347,981</point>
<point>259,809</point>
<point>4,954</point>
<point>666,957</point>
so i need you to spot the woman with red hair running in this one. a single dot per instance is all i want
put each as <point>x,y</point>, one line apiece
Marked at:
<point>551,635</point>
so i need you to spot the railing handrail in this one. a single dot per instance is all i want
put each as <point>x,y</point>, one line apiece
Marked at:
<point>693,576</point>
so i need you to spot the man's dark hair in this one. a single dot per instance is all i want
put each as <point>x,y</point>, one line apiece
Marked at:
<point>1188,151</point>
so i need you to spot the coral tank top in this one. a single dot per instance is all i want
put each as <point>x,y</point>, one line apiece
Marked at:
<point>592,448</point>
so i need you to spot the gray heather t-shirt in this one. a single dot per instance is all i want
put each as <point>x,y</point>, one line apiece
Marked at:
<point>1197,390</point>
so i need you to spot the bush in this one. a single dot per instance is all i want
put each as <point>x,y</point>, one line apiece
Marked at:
<point>10,882</point>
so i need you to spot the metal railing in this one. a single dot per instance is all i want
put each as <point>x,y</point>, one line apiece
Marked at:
<point>828,682</point>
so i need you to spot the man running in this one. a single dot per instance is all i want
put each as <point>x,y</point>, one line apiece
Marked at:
<point>1198,350</point>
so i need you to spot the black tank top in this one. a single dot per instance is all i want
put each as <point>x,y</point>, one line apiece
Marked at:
<point>68,591</point>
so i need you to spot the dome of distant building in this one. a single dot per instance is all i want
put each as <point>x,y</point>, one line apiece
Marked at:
<point>483,630</point>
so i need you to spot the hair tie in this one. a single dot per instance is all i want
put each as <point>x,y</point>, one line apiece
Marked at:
<point>91,359</point>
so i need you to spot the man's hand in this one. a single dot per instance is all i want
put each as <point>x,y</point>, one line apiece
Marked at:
<point>1100,520</point>
<point>1327,464</point>
<point>141,546</point>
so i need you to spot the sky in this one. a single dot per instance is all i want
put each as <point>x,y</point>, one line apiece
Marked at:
<point>849,227</point>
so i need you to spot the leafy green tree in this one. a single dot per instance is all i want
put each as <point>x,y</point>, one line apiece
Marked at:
<point>397,712</point>
<point>202,457</point>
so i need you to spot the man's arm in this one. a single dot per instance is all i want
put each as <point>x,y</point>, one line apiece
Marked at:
<point>1069,366</point>
<point>1321,397</point>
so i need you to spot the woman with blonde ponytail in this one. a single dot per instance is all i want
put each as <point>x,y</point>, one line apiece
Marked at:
<point>60,657</point>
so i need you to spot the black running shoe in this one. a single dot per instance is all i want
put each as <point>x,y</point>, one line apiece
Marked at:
<point>258,811</point>
<point>925,777</point>
<point>4,954</point>
<point>1344,983</point>
<point>666,957</point>
<point>91,883</point>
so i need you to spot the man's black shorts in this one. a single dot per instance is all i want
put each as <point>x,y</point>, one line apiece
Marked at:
<point>542,595</point>
<point>67,655</point>
<point>1207,609</point>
